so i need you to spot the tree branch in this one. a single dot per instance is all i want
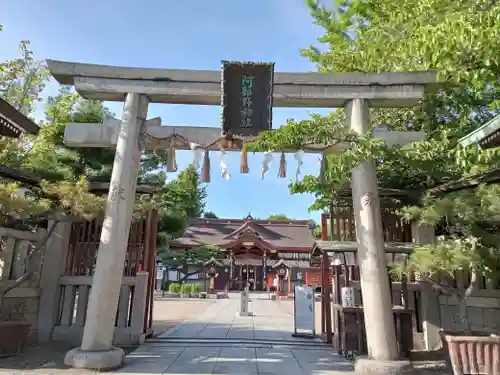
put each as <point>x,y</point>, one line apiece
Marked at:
<point>440,286</point>
<point>473,286</point>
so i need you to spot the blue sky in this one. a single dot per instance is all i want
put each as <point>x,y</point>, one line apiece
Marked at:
<point>188,34</point>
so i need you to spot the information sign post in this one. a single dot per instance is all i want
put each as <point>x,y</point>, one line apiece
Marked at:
<point>303,312</point>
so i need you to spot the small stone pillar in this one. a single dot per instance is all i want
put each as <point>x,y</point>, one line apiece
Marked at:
<point>231,269</point>
<point>431,314</point>
<point>54,261</point>
<point>264,272</point>
<point>244,301</point>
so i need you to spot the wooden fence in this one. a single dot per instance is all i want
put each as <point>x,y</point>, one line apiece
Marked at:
<point>135,307</point>
<point>342,226</point>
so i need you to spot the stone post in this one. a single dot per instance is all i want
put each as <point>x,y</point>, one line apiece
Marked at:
<point>377,307</point>
<point>231,269</point>
<point>431,314</point>
<point>96,351</point>
<point>264,272</point>
<point>138,307</point>
<point>54,261</point>
<point>244,302</point>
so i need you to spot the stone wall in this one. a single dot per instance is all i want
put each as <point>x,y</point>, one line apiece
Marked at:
<point>23,305</point>
<point>483,311</point>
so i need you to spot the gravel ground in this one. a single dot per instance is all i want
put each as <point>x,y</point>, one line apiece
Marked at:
<point>48,359</point>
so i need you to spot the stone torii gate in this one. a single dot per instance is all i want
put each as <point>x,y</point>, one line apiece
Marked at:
<point>138,87</point>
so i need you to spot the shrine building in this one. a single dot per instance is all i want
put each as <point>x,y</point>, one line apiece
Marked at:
<point>254,251</point>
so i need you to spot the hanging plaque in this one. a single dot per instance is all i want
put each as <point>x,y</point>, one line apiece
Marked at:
<point>247,97</point>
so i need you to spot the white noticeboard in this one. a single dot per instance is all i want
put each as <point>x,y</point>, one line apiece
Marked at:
<point>304,324</point>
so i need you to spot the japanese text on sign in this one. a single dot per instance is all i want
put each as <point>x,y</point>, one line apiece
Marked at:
<point>247,98</point>
<point>246,101</point>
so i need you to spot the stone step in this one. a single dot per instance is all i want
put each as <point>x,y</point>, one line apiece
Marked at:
<point>217,341</point>
<point>253,345</point>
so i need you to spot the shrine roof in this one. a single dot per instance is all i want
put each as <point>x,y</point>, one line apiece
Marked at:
<point>487,136</point>
<point>345,252</point>
<point>11,174</point>
<point>32,180</point>
<point>278,234</point>
<point>469,182</point>
<point>13,122</point>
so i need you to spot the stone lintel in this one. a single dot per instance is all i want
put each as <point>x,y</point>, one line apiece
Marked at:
<point>65,72</point>
<point>289,95</point>
<point>106,135</point>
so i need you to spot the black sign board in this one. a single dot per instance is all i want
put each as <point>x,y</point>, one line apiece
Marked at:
<point>247,97</point>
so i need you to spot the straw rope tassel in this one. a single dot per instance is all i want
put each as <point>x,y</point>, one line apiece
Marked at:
<point>244,160</point>
<point>282,170</point>
<point>323,169</point>
<point>171,162</point>
<point>205,175</point>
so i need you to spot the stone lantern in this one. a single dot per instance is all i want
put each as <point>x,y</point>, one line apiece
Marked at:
<point>282,271</point>
<point>212,272</point>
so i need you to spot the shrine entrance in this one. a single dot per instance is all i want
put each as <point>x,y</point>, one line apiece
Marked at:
<point>249,92</point>
<point>249,263</point>
<point>251,274</point>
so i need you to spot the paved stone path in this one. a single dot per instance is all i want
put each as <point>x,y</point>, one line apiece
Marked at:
<point>218,341</point>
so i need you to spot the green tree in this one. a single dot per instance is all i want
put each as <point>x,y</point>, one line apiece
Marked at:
<point>64,201</point>
<point>282,217</point>
<point>23,79</point>
<point>181,199</point>
<point>316,229</point>
<point>56,202</point>
<point>186,193</point>
<point>191,261</point>
<point>471,221</point>
<point>458,39</point>
<point>446,36</point>
<point>47,156</point>
<point>210,215</point>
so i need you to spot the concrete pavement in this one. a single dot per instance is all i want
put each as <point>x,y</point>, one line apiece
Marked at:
<point>218,341</point>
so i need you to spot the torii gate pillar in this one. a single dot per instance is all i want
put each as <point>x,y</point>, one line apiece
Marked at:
<point>380,332</point>
<point>96,351</point>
